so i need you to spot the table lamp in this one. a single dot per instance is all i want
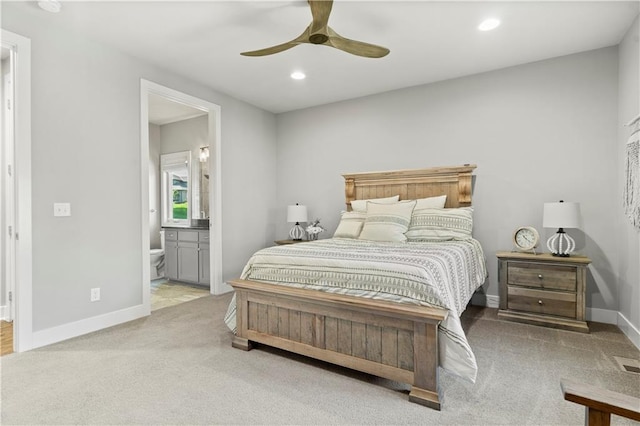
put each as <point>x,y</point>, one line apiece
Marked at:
<point>296,214</point>
<point>561,215</point>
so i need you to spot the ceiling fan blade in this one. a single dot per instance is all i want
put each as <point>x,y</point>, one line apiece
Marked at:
<point>320,10</point>
<point>354,47</point>
<point>271,50</point>
<point>302,38</point>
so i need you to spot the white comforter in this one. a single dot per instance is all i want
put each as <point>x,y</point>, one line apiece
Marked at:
<point>443,274</point>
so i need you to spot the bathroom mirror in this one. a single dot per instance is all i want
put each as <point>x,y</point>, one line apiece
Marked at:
<point>175,197</point>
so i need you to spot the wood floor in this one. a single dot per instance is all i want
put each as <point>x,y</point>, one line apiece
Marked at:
<point>6,338</point>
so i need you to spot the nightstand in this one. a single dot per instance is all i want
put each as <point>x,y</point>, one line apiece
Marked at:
<point>285,242</point>
<point>542,289</point>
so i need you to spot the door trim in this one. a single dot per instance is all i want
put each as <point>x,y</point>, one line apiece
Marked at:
<point>217,286</point>
<point>23,298</point>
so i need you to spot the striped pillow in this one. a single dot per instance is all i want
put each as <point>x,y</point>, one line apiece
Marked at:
<point>350,225</point>
<point>441,224</point>
<point>387,222</point>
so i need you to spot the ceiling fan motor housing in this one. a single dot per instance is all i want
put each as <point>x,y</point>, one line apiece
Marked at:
<point>318,38</point>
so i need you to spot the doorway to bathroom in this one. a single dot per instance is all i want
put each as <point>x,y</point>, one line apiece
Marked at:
<point>180,140</point>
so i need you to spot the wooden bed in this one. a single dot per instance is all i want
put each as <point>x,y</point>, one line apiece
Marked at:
<point>390,340</point>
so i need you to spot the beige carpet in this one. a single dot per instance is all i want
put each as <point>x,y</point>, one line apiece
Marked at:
<point>177,367</point>
<point>167,293</point>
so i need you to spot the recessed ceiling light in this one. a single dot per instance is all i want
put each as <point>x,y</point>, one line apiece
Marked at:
<point>489,24</point>
<point>298,75</point>
<point>52,6</point>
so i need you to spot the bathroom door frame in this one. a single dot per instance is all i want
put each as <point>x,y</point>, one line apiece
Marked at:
<point>214,135</point>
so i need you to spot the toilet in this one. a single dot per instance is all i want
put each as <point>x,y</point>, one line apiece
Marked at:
<point>157,260</point>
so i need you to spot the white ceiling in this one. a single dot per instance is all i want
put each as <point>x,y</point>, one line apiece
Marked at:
<point>429,41</point>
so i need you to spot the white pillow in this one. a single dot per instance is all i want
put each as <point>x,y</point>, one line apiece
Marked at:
<point>350,225</point>
<point>431,202</point>
<point>441,224</point>
<point>387,222</point>
<point>361,205</point>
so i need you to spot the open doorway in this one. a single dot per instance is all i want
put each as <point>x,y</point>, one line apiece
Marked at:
<point>181,223</point>
<point>179,207</point>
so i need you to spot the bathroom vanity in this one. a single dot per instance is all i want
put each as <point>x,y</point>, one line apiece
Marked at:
<point>187,255</point>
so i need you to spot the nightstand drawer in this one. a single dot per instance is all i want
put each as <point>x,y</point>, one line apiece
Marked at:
<point>542,302</point>
<point>554,277</point>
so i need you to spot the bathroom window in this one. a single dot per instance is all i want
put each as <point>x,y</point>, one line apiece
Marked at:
<point>176,188</point>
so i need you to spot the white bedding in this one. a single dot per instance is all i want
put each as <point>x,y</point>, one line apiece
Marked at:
<point>443,274</point>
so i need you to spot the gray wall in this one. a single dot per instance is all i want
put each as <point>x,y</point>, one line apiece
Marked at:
<point>86,151</point>
<point>628,237</point>
<point>538,132</point>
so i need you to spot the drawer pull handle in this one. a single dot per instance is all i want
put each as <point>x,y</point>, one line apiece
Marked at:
<point>539,276</point>
<point>539,302</point>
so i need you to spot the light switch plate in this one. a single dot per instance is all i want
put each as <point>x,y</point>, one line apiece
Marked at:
<point>62,209</point>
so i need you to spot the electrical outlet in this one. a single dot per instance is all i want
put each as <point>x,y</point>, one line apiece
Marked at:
<point>62,209</point>
<point>95,294</point>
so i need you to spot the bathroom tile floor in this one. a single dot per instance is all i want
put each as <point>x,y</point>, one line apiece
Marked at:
<point>166,293</point>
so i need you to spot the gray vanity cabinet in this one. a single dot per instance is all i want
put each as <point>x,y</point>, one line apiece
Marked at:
<point>171,254</point>
<point>188,261</point>
<point>204,270</point>
<point>187,255</point>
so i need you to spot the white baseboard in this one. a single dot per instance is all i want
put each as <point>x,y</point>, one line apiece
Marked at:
<point>89,325</point>
<point>605,316</point>
<point>628,329</point>
<point>224,288</point>
<point>3,312</point>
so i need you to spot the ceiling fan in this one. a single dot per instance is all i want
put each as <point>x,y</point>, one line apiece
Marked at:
<point>319,32</point>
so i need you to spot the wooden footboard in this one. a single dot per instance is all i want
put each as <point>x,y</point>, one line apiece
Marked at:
<point>390,340</point>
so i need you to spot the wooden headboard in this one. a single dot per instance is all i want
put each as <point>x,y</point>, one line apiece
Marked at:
<point>454,181</point>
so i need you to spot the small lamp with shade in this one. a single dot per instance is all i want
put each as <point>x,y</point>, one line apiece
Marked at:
<point>296,214</point>
<point>561,215</point>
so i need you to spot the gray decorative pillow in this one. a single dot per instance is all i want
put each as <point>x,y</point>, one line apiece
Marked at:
<point>350,225</point>
<point>441,224</point>
<point>387,222</point>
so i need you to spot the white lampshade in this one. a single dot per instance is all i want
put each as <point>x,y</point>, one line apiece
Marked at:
<point>297,213</point>
<point>561,215</point>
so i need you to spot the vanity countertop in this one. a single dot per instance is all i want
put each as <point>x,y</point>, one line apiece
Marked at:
<point>195,224</point>
<point>186,227</point>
